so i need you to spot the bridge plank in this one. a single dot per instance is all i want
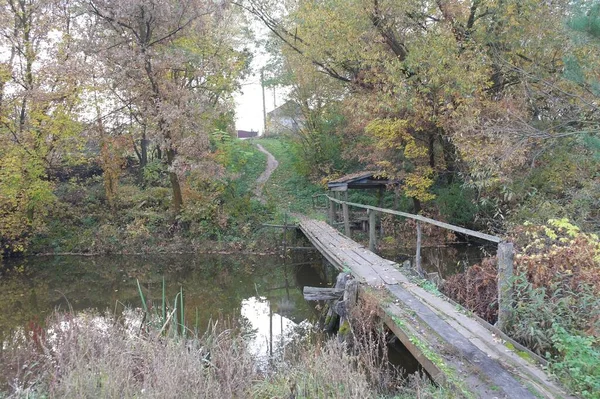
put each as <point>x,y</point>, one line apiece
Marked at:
<point>464,338</point>
<point>336,248</point>
<point>490,368</point>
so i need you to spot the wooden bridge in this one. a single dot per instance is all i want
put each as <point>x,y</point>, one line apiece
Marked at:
<point>454,346</point>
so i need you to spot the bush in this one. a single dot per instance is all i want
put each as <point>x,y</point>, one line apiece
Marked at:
<point>476,289</point>
<point>456,203</point>
<point>578,363</point>
<point>556,299</point>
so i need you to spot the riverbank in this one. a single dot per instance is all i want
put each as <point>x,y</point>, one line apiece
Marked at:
<point>219,215</point>
<point>222,216</point>
<point>91,355</point>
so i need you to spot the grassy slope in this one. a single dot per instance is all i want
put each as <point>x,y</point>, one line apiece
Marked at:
<point>256,163</point>
<point>286,190</point>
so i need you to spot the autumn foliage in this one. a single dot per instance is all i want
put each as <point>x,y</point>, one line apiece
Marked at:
<point>476,289</point>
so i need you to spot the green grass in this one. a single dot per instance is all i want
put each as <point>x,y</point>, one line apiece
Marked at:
<point>286,190</point>
<point>251,170</point>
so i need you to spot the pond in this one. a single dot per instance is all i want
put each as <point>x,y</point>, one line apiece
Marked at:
<point>445,260</point>
<point>262,294</point>
<point>258,292</point>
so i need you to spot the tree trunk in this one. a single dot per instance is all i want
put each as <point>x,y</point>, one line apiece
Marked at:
<point>416,206</point>
<point>449,151</point>
<point>431,150</point>
<point>177,197</point>
<point>143,151</point>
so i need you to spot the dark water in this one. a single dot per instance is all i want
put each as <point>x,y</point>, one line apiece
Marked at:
<point>259,291</point>
<point>445,260</point>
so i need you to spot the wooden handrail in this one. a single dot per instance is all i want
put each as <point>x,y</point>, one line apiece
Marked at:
<point>504,257</point>
<point>424,219</point>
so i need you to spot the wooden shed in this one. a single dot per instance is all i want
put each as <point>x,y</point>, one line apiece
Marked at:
<point>360,181</point>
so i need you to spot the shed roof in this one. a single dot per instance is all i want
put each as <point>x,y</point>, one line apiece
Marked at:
<point>359,180</point>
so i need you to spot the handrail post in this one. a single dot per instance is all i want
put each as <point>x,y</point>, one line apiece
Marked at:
<point>346,213</point>
<point>372,234</point>
<point>331,211</point>
<point>418,254</point>
<point>505,257</point>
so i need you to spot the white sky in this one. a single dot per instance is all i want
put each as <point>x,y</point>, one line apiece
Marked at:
<point>248,103</point>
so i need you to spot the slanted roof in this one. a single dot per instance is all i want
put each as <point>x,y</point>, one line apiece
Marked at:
<point>288,109</point>
<point>359,180</point>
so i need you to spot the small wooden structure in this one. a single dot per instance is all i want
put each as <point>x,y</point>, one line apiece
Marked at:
<point>366,180</point>
<point>360,181</point>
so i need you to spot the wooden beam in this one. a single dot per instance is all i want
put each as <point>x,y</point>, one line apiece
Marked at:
<point>281,226</point>
<point>418,255</point>
<point>458,229</point>
<point>346,213</point>
<point>322,294</point>
<point>505,256</point>
<point>331,210</point>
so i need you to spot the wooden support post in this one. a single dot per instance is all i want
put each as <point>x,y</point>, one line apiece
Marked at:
<point>372,231</point>
<point>332,317</point>
<point>346,213</point>
<point>380,195</point>
<point>418,255</point>
<point>331,212</point>
<point>505,256</point>
<point>345,308</point>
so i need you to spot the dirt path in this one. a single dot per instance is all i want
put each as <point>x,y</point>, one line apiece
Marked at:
<point>262,179</point>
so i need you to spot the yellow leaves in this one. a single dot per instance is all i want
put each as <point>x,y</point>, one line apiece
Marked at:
<point>414,151</point>
<point>418,183</point>
<point>394,133</point>
<point>24,196</point>
<point>550,233</point>
<point>570,229</point>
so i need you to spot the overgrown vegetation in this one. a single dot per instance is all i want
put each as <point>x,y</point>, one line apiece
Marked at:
<point>556,299</point>
<point>140,220</point>
<point>89,355</point>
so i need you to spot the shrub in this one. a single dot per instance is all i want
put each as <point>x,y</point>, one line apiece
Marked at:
<point>578,363</point>
<point>476,289</point>
<point>456,204</point>
<point>556,298</point>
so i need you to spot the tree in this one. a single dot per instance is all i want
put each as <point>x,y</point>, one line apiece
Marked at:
<point>172,65</point>
<point>39,105</point>
<point>477,85</point>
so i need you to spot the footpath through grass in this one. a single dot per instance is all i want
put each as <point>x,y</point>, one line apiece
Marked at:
<point>286,190</point>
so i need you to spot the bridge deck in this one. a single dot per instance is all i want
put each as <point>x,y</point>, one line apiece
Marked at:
<point>449,343</point>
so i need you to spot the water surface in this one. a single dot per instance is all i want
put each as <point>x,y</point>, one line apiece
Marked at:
<point>263,293</point>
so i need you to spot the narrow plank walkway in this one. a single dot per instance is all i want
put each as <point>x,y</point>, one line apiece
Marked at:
<point>450,344</point>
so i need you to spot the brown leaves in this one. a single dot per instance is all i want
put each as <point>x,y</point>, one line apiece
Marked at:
<point>476,289</point>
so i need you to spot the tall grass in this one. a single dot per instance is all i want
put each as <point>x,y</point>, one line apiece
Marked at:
<point>149,353</point>
<point>93,356</point>
<point>98,357</point>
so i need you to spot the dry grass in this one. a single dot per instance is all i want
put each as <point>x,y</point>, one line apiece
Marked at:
<point>90,356</point>
<point>96,357</point>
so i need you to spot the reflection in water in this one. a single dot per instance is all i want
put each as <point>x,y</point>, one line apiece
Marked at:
<point>270,331</point>
<point>446,260</point>
<point>245,289</point>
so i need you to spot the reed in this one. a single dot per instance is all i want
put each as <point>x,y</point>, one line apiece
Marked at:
<point>171,320</point>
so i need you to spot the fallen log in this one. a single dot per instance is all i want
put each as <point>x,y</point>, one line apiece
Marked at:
<point>322,294</point>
